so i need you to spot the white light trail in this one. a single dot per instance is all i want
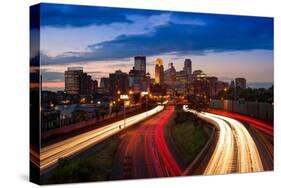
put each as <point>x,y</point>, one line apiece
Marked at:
<point>232,135</point>
<point>49,155</point>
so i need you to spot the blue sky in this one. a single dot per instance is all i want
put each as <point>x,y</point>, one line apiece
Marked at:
<point>104,39</point>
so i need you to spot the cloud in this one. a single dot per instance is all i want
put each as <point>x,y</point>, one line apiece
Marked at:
<point>181,34</point>
<point>52,76</point>
<point>228,34</point>
<point>120,65</point>
<point>98,72</point>
<point>59,15</point>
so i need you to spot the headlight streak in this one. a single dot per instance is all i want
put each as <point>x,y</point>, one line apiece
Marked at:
<point>250,160</point>
<point>49,155</point>
<point>232,135</point>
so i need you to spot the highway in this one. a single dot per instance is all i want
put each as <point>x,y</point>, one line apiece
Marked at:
<point>49,155</point>
<point>261,132</point>
<point>143,152</point>
<point>235,151</point>
<point>258,124</point>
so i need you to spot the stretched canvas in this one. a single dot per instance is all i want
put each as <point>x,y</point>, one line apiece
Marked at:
<point>118,94</point>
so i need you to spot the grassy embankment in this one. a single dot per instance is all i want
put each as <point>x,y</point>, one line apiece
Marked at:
<point>96,166</point>
<point>189,135</point>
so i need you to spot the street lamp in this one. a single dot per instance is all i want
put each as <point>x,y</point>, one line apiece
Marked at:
<point>145,93</point>
<point>124,98</point>
<point>110,107</point>
<point>233,98</point>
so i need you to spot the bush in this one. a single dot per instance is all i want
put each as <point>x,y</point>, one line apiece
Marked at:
<point>96,166</point>
<point>182,116</point>
<point>190,138</point>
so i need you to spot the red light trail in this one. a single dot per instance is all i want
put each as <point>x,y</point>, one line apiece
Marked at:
<point>169,161</point>
<point>262,126</point>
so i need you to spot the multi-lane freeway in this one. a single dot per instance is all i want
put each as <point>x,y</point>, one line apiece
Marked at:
<point>49,155</point>
<point>144,153</point>
<point>236,150</point>
<point>258,124</point>
<point>261,132</point>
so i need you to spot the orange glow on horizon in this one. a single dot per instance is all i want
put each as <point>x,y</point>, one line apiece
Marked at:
<point>53,84</point>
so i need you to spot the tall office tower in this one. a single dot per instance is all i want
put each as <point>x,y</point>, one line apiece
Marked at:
<point>137,80</point>
<point>241,83</point>
<point>87,85</point>
<point>159,71</point>
<point>170,74</point>
<point>140,64</point>
<point>104,82</point>
<point>72,79</point>
<point>187,66</point>
<point>119,82</point>
<point>232,84</point>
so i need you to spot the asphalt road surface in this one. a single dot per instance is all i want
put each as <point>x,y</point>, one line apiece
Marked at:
<point>238,149</point>
<point>49,155</point>
<point>143,152</point>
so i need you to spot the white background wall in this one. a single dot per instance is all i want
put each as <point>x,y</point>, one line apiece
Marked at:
<point>14,104</point>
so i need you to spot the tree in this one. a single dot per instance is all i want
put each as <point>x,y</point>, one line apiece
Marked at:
<point>248,94</point>
<point>198,103</point>
<point>79,115</point>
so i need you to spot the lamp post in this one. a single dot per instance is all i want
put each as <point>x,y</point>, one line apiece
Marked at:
<point>233,98</point>
<point>145,93</point>
<point>226,100</point>
<point>124,98</point>
<point>110,107</point>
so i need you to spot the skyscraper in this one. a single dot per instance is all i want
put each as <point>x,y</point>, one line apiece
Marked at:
<point>170,74</point>
<point>137,80</point>
<point>104,82</point>
<point>159,71</point>
<point>187,66</point>
<point>118,81</point>
<point>240,83</point>
<point>140,64</point>
<point>85,81</point>
<point>72,79</point>
<point>78,82</point>
<point>232,84</point>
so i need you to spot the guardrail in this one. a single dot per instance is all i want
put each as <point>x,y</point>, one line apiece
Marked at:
<point>49,155</point>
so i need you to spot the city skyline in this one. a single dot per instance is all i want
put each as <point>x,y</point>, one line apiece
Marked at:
<point>120,93</point>
<point>60,85</point>
<point>221,45</point>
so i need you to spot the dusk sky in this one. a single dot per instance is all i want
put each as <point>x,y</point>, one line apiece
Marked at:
<point>103,40</point>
